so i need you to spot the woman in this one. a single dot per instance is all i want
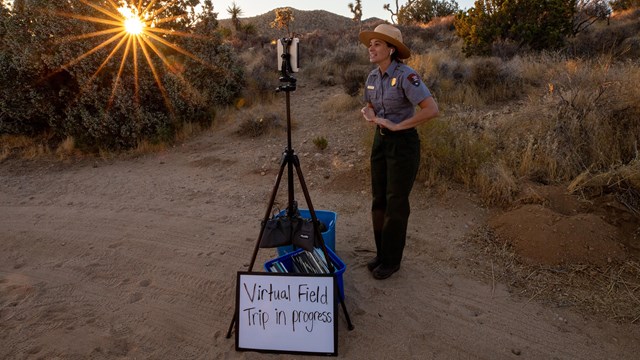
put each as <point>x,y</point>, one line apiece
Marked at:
<point>393,91</point>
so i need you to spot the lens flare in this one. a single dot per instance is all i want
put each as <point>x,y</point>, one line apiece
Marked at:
<point>133,28</point>
<point>132,22</point>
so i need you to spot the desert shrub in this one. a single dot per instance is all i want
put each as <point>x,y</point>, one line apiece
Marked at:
<point>587,118</point>
<point>262,76</point>
<point>341,103</point>
<point>320,142</point>
<point>253,125</point>
<point>452,151</point>
<point>616,39</point>
<point>353,79</point>
<point>346,56</point>
<point>445,76</point>
<point>496,183</point>
<point>347,66</point>
<point>539,25</point>
<point>423,11</point>
<point>476,81</point>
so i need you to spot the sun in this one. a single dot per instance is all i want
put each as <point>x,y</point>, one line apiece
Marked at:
<point>133,25</point>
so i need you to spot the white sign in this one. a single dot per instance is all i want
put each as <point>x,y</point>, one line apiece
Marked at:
<point>286,313</point>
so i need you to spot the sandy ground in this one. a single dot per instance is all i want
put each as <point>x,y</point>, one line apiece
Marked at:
<point>137,258</point>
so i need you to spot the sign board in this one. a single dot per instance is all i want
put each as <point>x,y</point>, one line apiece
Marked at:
<point>288,313</point>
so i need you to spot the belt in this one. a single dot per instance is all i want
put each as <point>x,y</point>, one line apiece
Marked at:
<point>385,132</point>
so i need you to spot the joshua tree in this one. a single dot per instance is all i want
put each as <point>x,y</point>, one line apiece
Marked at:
<point>235,12</point>
<point>357,12</point>
<point>283,20</point>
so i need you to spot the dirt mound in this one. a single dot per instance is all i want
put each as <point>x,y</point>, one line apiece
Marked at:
<point>552,227</point>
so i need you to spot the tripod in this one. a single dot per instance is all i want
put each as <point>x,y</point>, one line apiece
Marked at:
<point>290,160</point>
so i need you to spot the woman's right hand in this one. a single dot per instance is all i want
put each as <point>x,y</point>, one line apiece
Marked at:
<point>368,113</point>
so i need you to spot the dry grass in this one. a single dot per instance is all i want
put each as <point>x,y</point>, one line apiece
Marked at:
<point>337,105</point>
<point>259,120</point>
<point>23,147</point>
<point>623,181</point>
<point>570,116</point>
<point>612,291</point>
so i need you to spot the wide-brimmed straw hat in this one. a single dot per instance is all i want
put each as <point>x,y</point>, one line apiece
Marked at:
<point>388,33</point>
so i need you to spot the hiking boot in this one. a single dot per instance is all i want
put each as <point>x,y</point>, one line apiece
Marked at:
<point>383,271</point>
<point>373,263</point>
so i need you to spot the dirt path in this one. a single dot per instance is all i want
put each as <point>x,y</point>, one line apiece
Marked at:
<point>137,258</point>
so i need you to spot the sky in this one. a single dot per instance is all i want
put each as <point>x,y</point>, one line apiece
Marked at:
<point>370,8</point>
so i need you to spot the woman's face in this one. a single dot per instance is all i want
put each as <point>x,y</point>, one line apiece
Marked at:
<point>379,51</point>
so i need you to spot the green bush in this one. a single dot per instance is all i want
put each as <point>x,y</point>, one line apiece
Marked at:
<point>529,23</point>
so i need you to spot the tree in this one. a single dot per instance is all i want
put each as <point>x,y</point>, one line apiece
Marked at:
<point>587,12</point>
<point>422,11</point>
<point>356,10</point>
<point>235,13</point>
<point>528,23</point>
<point>618,5</point>
<point>283,20</point>
<point>394,14</point>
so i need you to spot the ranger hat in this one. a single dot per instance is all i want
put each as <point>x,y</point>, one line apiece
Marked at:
<point>388,33</point>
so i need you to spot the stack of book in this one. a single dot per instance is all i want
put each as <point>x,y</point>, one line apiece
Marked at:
<point>304,262</point>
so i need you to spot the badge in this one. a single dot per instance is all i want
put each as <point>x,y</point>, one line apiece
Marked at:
<point>414,79</point>
<point>393,82</point>
<point>371,87</point>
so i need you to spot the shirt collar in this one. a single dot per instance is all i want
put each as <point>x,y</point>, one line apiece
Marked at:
<point>391,69</point>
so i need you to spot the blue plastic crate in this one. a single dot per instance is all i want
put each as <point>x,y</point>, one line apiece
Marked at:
<point>329,235</point>
<point>286,261</point>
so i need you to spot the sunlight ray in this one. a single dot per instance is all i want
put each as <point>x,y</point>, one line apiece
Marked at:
<point>163,91</point>
<point>113,4</point>
<point>149,5</point>
<point>164,20</point>
<point>136,87</point>
<point>175,47</point>
<point>120,70</point>
<point>111,54</point>
<point>88,18</point>
<point>88,35</point>
<point>177,33</point>
<point>164,59</point>
<point>162,9</point>
<point>102,10</point>
<point>98,47</point>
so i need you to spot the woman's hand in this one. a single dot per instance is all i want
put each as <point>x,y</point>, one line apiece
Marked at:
<point>368,114</point>
<point>371,117</point>
<point>386,124</point>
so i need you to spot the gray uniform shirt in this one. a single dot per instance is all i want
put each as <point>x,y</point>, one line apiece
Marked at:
<point>395,93</point>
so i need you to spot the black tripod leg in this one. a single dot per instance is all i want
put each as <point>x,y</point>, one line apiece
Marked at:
<point>267,214</point>
<point>312,211</point>
<point>344,308</point>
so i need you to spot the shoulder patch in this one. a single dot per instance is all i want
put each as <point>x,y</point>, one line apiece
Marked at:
<point>414,79</point>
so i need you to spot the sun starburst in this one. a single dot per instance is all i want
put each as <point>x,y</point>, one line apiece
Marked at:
<point>133,28</point>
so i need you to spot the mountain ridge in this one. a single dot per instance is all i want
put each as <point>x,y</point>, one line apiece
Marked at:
<point>304,21</point>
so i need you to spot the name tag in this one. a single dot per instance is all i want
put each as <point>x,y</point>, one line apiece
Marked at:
<point>371,87</point>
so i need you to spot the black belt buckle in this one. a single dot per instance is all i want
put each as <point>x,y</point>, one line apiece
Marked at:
<point>381,130</point>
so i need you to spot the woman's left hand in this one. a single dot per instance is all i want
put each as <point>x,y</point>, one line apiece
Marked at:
<point>386,124</point>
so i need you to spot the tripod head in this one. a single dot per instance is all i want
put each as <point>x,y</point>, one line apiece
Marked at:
<point>287,63</point>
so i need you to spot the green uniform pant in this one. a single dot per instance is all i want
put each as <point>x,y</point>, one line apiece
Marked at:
<point>395,158</point>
